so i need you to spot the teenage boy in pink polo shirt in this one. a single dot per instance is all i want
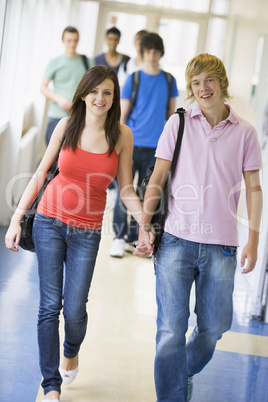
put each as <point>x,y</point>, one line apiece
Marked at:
<point>200,240</point>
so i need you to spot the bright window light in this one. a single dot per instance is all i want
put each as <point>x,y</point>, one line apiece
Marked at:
<point>199,6</point>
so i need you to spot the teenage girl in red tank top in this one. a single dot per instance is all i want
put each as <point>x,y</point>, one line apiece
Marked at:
<point>67,224</point>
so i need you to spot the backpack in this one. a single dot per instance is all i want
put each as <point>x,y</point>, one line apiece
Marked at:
<point>135,88</point>
<point>85,61</point>
<point>124,61</point>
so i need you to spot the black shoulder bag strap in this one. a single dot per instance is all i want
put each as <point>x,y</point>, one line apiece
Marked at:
<point>54,166</point>
<point>180,112</point>
<point>159,218</point>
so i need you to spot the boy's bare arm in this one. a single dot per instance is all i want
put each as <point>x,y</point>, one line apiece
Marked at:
<point>254,210</point>
<point>63,103</point>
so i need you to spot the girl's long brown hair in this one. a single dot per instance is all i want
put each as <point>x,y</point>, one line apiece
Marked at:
<point>93,77</point>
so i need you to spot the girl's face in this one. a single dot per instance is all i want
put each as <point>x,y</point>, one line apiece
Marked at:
<point>100,99</point>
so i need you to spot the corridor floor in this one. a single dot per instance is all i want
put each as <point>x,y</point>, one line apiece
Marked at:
<point>116,358</point>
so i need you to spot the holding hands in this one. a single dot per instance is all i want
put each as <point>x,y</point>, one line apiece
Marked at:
<point>146,241</point>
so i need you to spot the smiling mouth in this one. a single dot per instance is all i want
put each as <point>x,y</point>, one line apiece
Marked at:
<point>207,96</point>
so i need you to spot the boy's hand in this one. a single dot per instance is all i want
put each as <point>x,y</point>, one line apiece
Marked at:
<point>249,253</point>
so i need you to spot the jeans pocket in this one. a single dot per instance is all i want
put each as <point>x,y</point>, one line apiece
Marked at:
<point>41,217</point>
<point>229,251</point>
<point>169,240</point>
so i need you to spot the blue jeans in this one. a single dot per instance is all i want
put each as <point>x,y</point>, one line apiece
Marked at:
<point>58,244</point>
<point>179,263</point>
<point>143,158</point>
<point>51,124</point>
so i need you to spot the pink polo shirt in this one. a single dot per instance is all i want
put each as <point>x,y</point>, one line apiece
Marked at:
<point>207,182</point>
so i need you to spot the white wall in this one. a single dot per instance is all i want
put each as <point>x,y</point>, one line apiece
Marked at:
<point>31,34</point>
<point>247,21</point>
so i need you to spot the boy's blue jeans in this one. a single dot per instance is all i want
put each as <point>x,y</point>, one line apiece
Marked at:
<point>57,244</point>
<point>179,263</point>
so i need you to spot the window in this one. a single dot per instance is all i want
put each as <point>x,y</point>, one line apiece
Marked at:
<point>220,7</point>
<point>2,22</point>
<point>216,35</point>
<point>178,52</point>
<point>199,6</point>
<point>9,52</point>
<point>257,66</point>
<point>88,10</point>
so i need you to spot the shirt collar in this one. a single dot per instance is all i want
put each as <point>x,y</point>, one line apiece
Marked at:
<point>196,111</point>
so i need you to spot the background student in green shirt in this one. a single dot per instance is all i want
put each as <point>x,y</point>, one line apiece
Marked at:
<point>65,72</point>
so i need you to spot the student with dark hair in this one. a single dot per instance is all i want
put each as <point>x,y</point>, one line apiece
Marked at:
<point>112,58</point>
<point>155,98</point>
<point>152,41</point>
<point>65,72</point>
<point>200,239</point>
<point>68,222</point>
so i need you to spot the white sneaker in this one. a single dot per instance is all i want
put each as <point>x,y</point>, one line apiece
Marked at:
<point>118,248</point>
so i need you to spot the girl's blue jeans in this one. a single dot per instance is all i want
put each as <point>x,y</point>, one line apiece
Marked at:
<point>57,246</point>
<point>179,263</point>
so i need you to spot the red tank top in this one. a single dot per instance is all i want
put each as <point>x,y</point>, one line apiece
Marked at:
<point>77,196</point>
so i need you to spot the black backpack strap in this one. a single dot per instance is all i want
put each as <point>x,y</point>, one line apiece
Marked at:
<point>124,61</point>
<point>180,112</point>
<point>85,61</point>
<point>169,78</point>
<point>134,92</point>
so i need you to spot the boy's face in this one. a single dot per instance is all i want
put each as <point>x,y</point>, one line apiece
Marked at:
<point>70,41</point>
<point>112,41</point>
<point>207,90</point>
<point>151,57</point>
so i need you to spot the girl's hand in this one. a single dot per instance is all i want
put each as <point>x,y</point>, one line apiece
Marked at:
<point>12,237</point>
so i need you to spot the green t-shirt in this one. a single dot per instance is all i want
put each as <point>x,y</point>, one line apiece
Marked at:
<point>66,73</point>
